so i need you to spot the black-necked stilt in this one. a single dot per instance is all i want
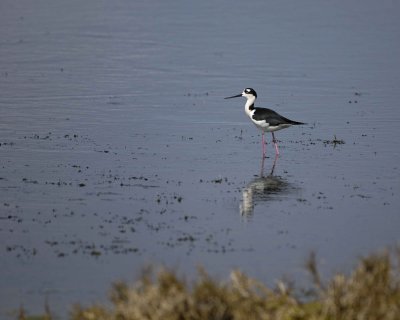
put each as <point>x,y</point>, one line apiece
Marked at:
<point>266,120</point>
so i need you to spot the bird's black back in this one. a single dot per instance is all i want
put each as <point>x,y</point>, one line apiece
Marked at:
<point>272,117</point>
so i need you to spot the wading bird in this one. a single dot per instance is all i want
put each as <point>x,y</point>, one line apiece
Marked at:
<point>266,120</point>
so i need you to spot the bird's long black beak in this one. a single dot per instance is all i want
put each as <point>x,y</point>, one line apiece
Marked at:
<point>237,96</point>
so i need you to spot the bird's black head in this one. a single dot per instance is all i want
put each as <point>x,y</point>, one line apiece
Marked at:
<point>248,93</point>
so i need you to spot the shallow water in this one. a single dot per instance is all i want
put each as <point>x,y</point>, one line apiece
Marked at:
<point>118,149</point>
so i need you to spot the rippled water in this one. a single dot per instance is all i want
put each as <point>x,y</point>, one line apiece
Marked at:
<point>118,150</point>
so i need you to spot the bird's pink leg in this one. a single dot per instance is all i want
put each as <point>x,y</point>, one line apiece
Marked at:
<point>263,145</point>
<point>275,143</point>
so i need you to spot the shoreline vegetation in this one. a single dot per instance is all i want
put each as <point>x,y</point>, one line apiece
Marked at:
<point>370,291</point>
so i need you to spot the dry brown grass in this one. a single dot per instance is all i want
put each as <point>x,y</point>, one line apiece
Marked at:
<point>371,291</point>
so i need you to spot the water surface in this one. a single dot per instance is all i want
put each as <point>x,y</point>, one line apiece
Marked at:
<point>118,150</point>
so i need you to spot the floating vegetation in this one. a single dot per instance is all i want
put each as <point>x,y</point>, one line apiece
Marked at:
<point>334,142</point>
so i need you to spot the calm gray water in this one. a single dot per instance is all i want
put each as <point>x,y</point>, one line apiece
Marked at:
<point>118,149</point>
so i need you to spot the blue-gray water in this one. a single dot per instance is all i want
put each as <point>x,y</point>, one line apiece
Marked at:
<point>118,149</point>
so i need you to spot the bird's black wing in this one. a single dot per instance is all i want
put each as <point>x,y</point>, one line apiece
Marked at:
<point>272,117</point>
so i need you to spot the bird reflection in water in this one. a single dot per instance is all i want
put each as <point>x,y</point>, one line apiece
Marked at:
<point>262,189</point>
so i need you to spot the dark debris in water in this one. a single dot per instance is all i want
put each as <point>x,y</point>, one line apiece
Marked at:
<point>7,143</point>
<point>335,141</point>
<point>73,247</point>
<point>190,94</point>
